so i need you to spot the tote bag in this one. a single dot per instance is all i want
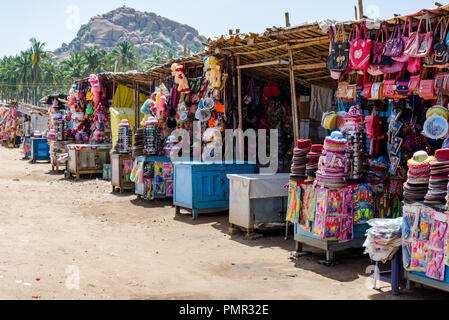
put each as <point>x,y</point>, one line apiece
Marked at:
<point>360,51</point>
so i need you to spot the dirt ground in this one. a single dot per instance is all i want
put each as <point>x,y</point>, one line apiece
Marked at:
<point>51,228</point>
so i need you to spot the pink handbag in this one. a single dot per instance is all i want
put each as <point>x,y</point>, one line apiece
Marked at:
<point>395,67</point>
<point>419,44</point>
<point>360,51</point>
<point>405,34</point>
<point>413,65</point>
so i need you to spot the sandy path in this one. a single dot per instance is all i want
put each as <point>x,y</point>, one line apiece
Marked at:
<point>125,249</point>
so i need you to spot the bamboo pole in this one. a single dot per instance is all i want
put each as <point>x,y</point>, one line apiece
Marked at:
<point>361,15</point>
<point>293,97</point>
<point>256,65</point>
<point>239,93</point>
<point>136,107</point>
<point>309,66</point>
<point>309,44</point>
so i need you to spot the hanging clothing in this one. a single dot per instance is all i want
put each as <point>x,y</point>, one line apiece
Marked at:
<point>321,101</point>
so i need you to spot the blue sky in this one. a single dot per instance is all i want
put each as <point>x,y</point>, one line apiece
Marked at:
<point>53,21</point>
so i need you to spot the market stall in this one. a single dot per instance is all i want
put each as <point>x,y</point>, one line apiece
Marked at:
<point>8,125</point>
<point>86,121</point>
<point>389,103</point>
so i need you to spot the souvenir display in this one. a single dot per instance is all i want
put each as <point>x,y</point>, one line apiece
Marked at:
<point>299,162</point>
<point>418,176</point>
<point>313,157</point>
<point>124,143</point>
<point>439,171</point>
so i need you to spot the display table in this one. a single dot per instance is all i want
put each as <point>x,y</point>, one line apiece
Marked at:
<point>257,201</point>
<point>303,236</point>
<point>121,167</point>
<point>421,278</point>
<point>40,151</point>
<point>158,178</point>
<point>87,158</point>
<point>204,186</point>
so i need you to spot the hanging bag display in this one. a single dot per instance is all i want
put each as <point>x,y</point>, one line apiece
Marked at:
<point>377,90</point>
<point>427,89</point>
<point>377,52</point>
<point>413,85</point>
<point>351,91</point>
<point>374,130</point>
<point>338,59</point>
<point>367,85</point>
<point>389,88</point>
<point>395,45</point>
<point>440,81</point>
<point>271,91</point>
<point>426,47</point>
<point>405,36</point>
<point>341,89</point>
<point>440,57</point>
<point>419,44</point>
<point>360,51</point>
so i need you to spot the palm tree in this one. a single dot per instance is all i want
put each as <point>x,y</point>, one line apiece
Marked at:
<point>23,66</point>
<point>75,66</point>
<point>95,58</point>
<point>126,53</point>
<point>37,49</point>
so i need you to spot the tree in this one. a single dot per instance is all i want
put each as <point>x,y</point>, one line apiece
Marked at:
<point>126,53</point>
<point>75,66</point>
<point>37,50</point>
<point>23,66</point>
<point>95,58</point>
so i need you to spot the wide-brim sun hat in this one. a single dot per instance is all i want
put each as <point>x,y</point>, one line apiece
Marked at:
<point>420,158</point>
<point>203,115</point>
<point>435,127</point>
<point>438,110</point>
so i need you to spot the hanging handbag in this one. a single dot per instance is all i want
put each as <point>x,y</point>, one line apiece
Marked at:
<point>427,89</point>
<point>367,85</point>
<point>413,85</point>
<point>377,51</point>
<point>402,87</point>
<point>389,88</point>
<point>395,45</point>
<point>341,89</point>
<point>440,81</point>
<point>414,47</point>
<point>360,51</point>
<point>413,65</point>
<point>338,59</point>
<point>377,91</point>
<point>394,68</point>
<point>440,58</point>
<point>426,47</point>
<point>271,91</point>
<point>405,36</point>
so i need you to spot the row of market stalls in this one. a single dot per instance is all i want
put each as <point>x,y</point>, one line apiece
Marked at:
<point>360,140</point>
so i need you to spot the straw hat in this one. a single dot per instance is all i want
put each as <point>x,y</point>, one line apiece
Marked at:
<point>435,127</point>
<point>438,110</point>
<point>203,115</point>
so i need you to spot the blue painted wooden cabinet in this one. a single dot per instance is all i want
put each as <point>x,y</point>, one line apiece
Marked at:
<point>202,186</point>
<point>40,150</point>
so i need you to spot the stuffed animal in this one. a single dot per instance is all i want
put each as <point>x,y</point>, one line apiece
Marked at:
<point>180,78</point>
<point>212,69</point>
<point>95,88</point>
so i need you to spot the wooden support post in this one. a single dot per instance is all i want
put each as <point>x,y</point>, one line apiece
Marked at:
<point>136,107</point>
<point>355,13</point>
<point>113,92</point>
<point>239,93</point>
<point>287,20</point>
<point>361,15</point>
<point>293,96</point>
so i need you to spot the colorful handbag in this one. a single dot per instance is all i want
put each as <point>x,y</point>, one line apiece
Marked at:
<point>413,85</point>
<point>360,51</point>
<point>377,51</point>
<point>402,57</point>
<point>377,91</point>
<point>426,47</point>
<point>395,45</point>
<point>367,89</point>
<point>394,68</point>
<point>402,87</point>
<point>427,89</point>
<point>413,65</point>
<point>389,89</point>
<point>419,44</point>
<point>440,58</point>
<point>440,80</point>
<point>341,89</point>
<point>350,93</point>
<point>339,51</point>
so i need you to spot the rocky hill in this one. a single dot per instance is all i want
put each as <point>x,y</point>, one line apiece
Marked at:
<point>144,30</point>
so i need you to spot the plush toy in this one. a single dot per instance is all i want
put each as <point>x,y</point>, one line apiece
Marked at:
<point>160,105</point>
<point>95,88</point>
<point>212,69</point>
<point>180,78</point>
